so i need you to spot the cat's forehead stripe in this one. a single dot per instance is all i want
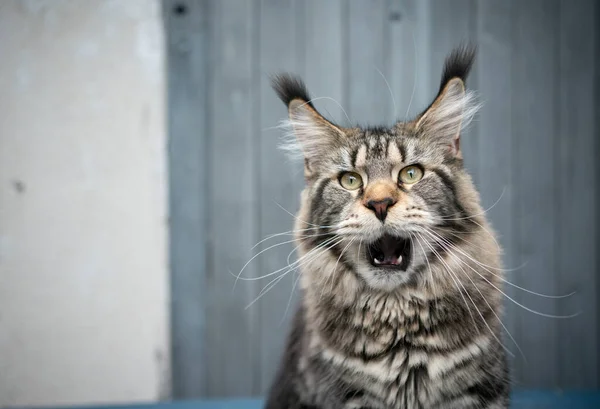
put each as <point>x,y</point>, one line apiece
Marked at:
<point>361,157</point>
<point>393,152</point>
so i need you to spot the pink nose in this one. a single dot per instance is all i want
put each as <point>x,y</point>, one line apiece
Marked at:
<point>380,207</point>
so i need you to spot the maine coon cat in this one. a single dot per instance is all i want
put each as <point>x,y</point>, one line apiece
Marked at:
<point>400,271</point>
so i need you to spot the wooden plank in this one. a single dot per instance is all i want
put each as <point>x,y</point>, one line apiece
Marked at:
<point>402,53</point>
<point>576,200</point>
<point>453,23</point>
<point>407,43</point>
<point>495,144</point>
<point>185,26</point>
<point>323,54</point>
<point>425,90</point>
<point>596,40</point>
<point>280,180</point>
<point>232,332</point>
<point>534,110</point>
<point>369,97</point>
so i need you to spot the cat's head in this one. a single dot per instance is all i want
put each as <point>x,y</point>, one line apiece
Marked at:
<point>376,197</point>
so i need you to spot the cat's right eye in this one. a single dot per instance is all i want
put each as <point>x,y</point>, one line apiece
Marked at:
<point>351,181</point>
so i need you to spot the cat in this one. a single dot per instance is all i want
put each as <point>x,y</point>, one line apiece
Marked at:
<point>400,271</point>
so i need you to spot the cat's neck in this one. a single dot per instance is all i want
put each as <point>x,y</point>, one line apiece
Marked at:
<point>360,322</point>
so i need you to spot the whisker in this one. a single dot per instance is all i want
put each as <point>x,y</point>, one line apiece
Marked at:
<point>289,256</point>
<point>519,304</point>
<point>256,255</point>
<point>303,221</point>
<point>483,297</point>
<point>331,99</point>
<point>472,220</point>
<point>276,280</point>
<point>389,88</point>
<point>430,272</point>
<point>287,233</point>
<point>447,268</point>
<point>266,289</point>
<point>488,304</point>
<point>335,267</point>
<point>412,94</point>
<point>477,214</point>
<point>489,233</point>
<point>290,299</point>
<point>505,270</point>
<point>289,265</point>
<point>484,266</point>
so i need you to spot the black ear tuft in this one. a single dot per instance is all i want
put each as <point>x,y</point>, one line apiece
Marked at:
<point>458,64</point>
<point>289,87</point>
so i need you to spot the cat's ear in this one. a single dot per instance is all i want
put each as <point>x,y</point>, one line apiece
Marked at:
<point>309,134</point>
<point>454,106</point>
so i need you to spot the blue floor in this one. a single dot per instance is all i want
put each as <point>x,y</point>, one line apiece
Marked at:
<point>521,400</point>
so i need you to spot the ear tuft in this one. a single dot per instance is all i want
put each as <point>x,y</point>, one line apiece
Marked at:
<point>458,64</point>
<point>290,87</point>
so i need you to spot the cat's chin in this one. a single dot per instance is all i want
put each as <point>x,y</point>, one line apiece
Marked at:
<point>388,280</point>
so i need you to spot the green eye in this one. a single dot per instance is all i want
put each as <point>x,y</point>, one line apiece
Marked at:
<point>351,181</point>
<point>411,174</point>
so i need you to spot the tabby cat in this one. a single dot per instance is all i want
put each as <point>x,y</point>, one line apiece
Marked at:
<point>400,272</point>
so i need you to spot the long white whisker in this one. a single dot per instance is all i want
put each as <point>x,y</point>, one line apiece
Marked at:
<point>276,280</point>
<point>482,296</point>
<point>412,94</point>
<point>266,289</point>
<point>335,267</point>
<point>303,221</point>
<point>505,270</point>
<point>477,214</point>
<point>430,272</point>
<point>488,304</point>
<point>289,256</point>
<point>489,233</point>
<point>289,265</point>
<point>475,305</point>
<point>331,99</point>
<point>290,299</point>
<point>485,267</point>
<point>389,88</point>
<point>447,268</point>
<point>519,304</point>
<point>287,233</point>
<point>256,255</point>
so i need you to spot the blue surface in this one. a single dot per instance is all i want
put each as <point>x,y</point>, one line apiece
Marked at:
<point>521,400</point>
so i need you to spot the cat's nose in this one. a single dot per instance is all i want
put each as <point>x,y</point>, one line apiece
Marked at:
<point>380,207</point>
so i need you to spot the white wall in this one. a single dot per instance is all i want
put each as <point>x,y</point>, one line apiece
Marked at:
<point>83,218</point>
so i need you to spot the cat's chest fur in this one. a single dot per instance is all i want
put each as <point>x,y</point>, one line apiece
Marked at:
<point>384,351</point>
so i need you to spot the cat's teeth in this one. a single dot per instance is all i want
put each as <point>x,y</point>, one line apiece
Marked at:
<point>377,261</point>
<point>398,260</point>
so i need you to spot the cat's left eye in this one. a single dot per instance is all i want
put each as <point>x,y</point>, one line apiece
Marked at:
<point>351,181</point>
<point>411,174</point>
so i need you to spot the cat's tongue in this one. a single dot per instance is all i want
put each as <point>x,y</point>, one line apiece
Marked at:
<point>389,260</point>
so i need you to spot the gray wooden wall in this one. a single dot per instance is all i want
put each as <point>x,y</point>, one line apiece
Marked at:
<point>531,152</point>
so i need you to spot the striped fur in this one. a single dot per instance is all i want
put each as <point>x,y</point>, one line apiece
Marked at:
<point>429,336</point>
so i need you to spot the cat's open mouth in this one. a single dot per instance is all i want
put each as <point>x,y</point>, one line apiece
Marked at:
<point>390,252</point>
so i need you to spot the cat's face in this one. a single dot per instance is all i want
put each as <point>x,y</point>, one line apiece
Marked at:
<point>376,199</point>
<point>385,192</point>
